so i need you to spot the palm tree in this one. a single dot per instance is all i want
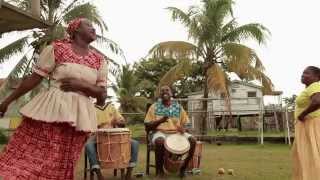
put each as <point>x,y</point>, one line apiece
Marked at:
<point>57,13</point>
<point>127,90</point>
<point>216,38</point>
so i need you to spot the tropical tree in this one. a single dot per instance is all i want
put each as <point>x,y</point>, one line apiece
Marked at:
<point>290,101</point>
<point>150,70</point>
<point>215,45</point>
<point>127,91</point>
<point>57,13</point>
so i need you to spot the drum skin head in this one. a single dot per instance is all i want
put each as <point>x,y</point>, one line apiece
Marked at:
<point>114,130</point>
<point>177,144</point>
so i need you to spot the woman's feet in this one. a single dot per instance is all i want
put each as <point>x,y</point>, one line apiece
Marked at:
<point>98,173</point>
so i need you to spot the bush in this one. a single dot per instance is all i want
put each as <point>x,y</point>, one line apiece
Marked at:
<point>135,119</point>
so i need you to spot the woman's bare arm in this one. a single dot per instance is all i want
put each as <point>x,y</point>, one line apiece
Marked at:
<point>26,85</point>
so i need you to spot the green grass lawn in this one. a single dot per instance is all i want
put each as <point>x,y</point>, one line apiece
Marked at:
<point>138,131</point>
<point>250,162</point>
<point>251,133</point>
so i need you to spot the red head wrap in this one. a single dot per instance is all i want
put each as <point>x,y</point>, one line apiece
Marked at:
<point>73,26</point>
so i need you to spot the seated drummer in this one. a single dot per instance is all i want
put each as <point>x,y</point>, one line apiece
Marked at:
<point>166,117</point>
<point>109,117</point>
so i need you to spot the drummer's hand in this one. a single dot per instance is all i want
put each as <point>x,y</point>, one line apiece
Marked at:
<point>164,119</point>
<point>181,130</point>
<point>121,123</point>
<point>103,125</point>
<point>113,123</point>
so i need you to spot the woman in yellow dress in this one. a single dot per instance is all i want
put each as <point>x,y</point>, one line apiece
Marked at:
<point>306,148</point>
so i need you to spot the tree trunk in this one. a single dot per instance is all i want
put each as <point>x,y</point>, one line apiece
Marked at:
<point>203,129</point>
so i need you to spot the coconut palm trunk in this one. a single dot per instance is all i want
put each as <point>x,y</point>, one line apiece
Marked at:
<point>205,115</point>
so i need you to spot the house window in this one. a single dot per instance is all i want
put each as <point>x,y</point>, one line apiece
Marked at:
<point>252,94</point>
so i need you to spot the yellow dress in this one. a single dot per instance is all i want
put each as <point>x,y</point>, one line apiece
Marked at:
<point>306,147</point>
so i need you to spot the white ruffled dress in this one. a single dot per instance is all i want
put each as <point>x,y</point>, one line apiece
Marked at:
<point>57,62</point>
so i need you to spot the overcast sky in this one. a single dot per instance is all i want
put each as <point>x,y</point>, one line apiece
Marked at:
<point>137,25</point>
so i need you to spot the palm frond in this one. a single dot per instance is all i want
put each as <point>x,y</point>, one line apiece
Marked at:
<point>13,77</point>
<point>177,72</point>
<point>217,80</point>
<point>267,84</point>
<point>70,6</point>
<point>109,44</point>
<point>242,54</point>
<point>127,80</point>
<point>13,48</point>
<point>183,17</point>
<point>243,61</point>
<point>57,33</point>
<point>21,4</point>
<point>189,19</point>
<point>53,7</point>
<point>174,49</point>
<point>248,31</point>
<point>231,25</point>
<point>217,11</point>
<point>126,90</point>
<point>20,68</point>
<point>258,63</point>
<point>236,50</point>
<point>88,11</point>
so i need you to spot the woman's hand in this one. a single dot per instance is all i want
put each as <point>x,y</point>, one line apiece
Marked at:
<point>75,85</point>
<point>72,84</point>
<point>301,117</point>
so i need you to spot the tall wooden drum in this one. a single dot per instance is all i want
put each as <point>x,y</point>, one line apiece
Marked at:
<point>177,147</point>
<point>114,148</point>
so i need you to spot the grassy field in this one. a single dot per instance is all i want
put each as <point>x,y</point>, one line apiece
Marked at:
<point>250,162</point>
<point>138,131</point>
<point>252,133</point>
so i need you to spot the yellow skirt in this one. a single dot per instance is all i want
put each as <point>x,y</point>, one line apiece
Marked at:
<point>306,150</point>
